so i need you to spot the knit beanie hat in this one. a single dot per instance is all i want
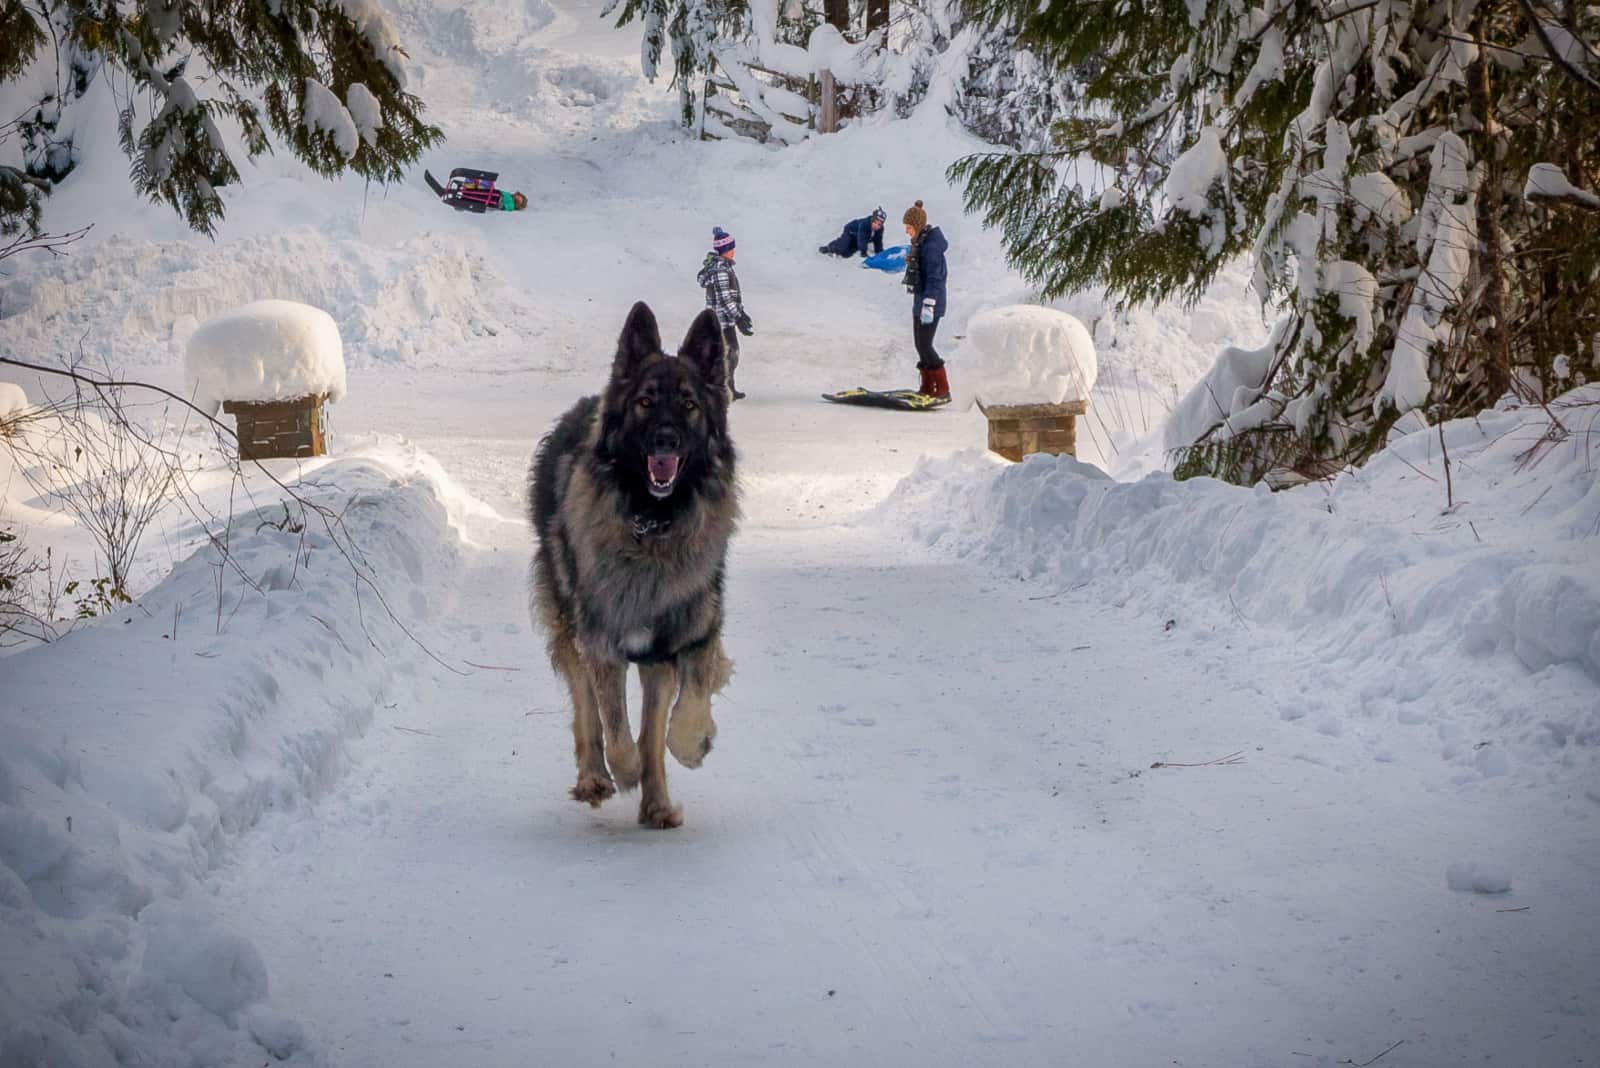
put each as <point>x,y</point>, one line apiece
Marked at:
<point>721,240</point>
<point>879,214</point>
<point>915,216</point>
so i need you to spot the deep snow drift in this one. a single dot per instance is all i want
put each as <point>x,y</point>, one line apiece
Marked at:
<point>230,691</point>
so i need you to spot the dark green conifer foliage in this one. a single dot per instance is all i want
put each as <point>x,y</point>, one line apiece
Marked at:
<point>1365,144</point>
<point>180,66</point>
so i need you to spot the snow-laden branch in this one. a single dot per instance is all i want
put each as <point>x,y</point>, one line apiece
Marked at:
<point>1548,182</point>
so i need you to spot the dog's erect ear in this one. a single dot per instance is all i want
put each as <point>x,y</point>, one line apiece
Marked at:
<point>640,340</point>
<point>702,347</point>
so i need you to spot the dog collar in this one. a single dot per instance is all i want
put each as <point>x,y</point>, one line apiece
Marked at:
<point>644,526</point>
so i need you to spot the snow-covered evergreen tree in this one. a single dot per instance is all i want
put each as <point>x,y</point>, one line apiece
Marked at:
<point>325,77</point>
<point>1415,183</point>
<point>999,91</point>
<point>691,29</point>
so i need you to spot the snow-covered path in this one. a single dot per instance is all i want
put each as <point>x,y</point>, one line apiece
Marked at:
<point>929,833</point>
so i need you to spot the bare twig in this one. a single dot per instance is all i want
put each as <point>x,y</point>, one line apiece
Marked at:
<point>1383,580</point>
<point>1231,758</point>
<point>1449,486</point>
<point>332,522</point>
<point>51,243</point>
<point>1238,614</point>
<point>490,667</point>
<point>1375,1060</point>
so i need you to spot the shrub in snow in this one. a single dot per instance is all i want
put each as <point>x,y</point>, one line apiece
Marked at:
<point>272,350</point>
<point>1383,165</point>
<point>1026,354</point>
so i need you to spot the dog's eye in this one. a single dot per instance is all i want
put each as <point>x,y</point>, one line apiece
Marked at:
<point>646,402</point>
<point>689,405</point>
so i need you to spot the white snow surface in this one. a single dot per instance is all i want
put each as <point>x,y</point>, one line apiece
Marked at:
<point>123,789</point>
<point>1191,176</point>
<point>1233,384</point>
<point>365,112</point>
<point>266,351</point>
<point>950,818</point>
<point>1547,181</point>
<point>326,114</point>
<point>1028,354</point>
<point>12,399</point>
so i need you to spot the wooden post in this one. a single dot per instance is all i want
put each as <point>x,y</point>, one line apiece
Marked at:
<point>279,429</point>
<point>1017,430</point>
<point>828,121</point>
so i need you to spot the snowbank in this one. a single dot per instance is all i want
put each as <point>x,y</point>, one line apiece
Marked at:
<point>415,300</point>
<point>1488,611</point>
<point>1026,354</point>
<point>121,787</point>
<point>266,351</point>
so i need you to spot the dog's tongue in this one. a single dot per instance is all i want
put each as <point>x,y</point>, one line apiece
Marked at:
<point>663,469</point>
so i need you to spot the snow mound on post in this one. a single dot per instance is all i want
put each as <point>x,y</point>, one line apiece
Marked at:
<point>829,51</point>
<point>271,350</point>
<point>12,399</point>
<point>1027,354</point>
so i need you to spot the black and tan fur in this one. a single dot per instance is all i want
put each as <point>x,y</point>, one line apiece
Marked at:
<point>629,568</point>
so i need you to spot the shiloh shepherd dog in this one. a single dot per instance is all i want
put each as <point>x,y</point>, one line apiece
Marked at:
<point>633,499</point>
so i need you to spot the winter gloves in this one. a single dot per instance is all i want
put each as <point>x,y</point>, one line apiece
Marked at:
<point>928,306</point>
<point>745,326</point>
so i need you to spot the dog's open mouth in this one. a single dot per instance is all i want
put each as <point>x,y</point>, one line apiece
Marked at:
<point>663,473</point>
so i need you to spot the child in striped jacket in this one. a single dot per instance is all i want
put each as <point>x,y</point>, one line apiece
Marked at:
<point>716,277</point>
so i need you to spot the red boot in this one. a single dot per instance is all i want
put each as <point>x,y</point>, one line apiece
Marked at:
<point>923,384</point>
<point>937,384</point>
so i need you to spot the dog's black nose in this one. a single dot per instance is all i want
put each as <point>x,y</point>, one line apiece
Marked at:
<point>667,440</point>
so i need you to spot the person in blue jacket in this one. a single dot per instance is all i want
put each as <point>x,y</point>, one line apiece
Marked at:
<point>926,274</point>
<point>864,235</point>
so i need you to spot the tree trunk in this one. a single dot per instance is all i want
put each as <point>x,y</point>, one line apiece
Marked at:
<point>837,12</point>
<point>877,14</point>
<point>1497,338</point>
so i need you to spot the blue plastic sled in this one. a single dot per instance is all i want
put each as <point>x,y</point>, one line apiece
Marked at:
<point>890,259</point>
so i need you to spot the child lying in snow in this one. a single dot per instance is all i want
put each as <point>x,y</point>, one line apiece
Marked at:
<point>470,190</point>
<point>863,235</point>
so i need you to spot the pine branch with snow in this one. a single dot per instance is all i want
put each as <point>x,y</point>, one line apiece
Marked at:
<point>1388,167</point>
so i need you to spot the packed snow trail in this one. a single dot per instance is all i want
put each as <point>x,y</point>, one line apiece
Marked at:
<point>929,832</point>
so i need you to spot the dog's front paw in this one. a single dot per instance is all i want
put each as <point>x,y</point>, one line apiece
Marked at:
<point>593,789</point>
<point>623,760</point>
<point>660,813</point>
<point>690,734</point>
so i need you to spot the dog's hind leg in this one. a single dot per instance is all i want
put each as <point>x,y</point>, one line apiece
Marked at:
<point>660,682</point>
<point>705,672</point>
<point>610,678</point>
<point>594,781</point>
